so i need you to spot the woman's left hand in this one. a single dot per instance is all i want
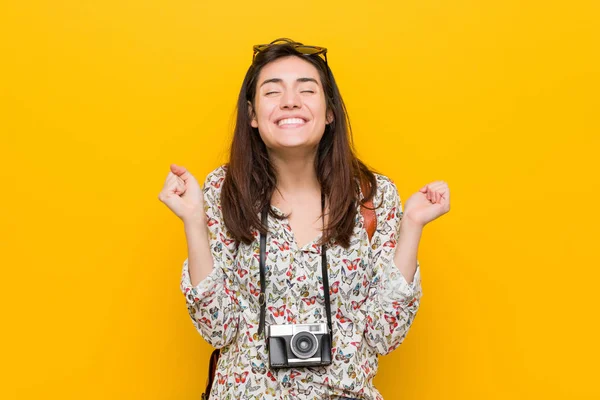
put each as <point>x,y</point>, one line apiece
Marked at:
<point>430,202</point>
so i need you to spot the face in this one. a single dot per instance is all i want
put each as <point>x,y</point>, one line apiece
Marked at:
<point>290,106</point>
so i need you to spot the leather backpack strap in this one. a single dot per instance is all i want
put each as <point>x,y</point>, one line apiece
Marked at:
<point>369,216</point>
<point>212,368</point>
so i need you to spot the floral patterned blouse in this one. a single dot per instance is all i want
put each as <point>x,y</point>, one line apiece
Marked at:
<point>372,305</point>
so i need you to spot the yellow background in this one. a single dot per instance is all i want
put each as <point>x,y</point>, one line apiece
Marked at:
<point>498,98</point>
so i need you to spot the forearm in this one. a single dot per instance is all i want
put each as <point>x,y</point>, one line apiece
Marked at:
<point>200,260</point>
<point>395,302</point>
<point>407,248</point>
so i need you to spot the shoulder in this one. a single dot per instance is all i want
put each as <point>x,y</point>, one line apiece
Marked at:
<point>388,206</point>
<point>216,176</point>
<point>386,189</point>
<point>213,184</point>
<point>214,180</point>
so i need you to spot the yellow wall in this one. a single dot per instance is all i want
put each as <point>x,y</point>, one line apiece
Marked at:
<point>498,98</point>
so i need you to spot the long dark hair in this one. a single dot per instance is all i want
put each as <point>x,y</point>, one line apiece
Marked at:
<point>251,180</point>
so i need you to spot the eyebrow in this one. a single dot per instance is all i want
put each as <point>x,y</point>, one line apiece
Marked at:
<point>279,80</point>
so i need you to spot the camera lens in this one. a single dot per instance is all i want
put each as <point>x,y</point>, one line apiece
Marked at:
<point>304,344</point>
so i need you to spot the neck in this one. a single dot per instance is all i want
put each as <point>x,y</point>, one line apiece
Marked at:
<point>295,173</point>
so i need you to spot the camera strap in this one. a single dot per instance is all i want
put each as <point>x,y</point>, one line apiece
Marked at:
<point>263,247</point>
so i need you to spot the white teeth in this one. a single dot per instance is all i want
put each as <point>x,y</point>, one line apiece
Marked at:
<point>290,121</point>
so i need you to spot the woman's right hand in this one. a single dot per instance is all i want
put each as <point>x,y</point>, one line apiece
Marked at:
<point>183,195</point>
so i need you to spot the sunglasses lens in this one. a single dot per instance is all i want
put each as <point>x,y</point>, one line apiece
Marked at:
<point>308,50</point>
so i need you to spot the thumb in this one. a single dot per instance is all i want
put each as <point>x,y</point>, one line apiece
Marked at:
<point>181,172</point>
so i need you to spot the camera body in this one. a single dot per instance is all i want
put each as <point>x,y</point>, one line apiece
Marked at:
<point>299,345</point>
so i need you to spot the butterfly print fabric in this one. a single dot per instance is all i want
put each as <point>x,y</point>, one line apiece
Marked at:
<point>372,304</point>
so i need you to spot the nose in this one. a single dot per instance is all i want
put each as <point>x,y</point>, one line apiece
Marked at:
<point>290,100</point>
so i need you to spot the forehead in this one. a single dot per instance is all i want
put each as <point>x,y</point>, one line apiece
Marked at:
<point>288,69</point>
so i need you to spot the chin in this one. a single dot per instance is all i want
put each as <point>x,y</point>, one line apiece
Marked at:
<point>292,144</point>
<point>283,139</point>
<point>295,143</point>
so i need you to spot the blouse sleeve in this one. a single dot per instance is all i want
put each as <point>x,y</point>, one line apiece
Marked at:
<point>212,303</point>
<point>392,302</point>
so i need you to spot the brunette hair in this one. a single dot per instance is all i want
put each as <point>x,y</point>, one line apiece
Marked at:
<point>251,180</point>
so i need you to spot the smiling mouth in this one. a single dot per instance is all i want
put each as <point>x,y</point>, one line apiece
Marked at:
<point>290,123</point>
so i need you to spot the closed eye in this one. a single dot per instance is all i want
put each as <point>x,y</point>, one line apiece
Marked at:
<point>304,91</point>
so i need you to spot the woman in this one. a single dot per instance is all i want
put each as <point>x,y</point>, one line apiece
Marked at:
<point>292,162</point>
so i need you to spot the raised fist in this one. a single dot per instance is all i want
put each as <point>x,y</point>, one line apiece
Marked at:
<point>183,195</point>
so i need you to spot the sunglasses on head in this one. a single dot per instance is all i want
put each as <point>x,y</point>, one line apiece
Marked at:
<point>304,49</point>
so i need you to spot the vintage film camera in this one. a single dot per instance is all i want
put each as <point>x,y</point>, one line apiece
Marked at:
<point>299,345</point>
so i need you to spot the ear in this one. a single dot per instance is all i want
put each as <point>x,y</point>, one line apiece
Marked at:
<point>252,116</point>
<point>329,117</point>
